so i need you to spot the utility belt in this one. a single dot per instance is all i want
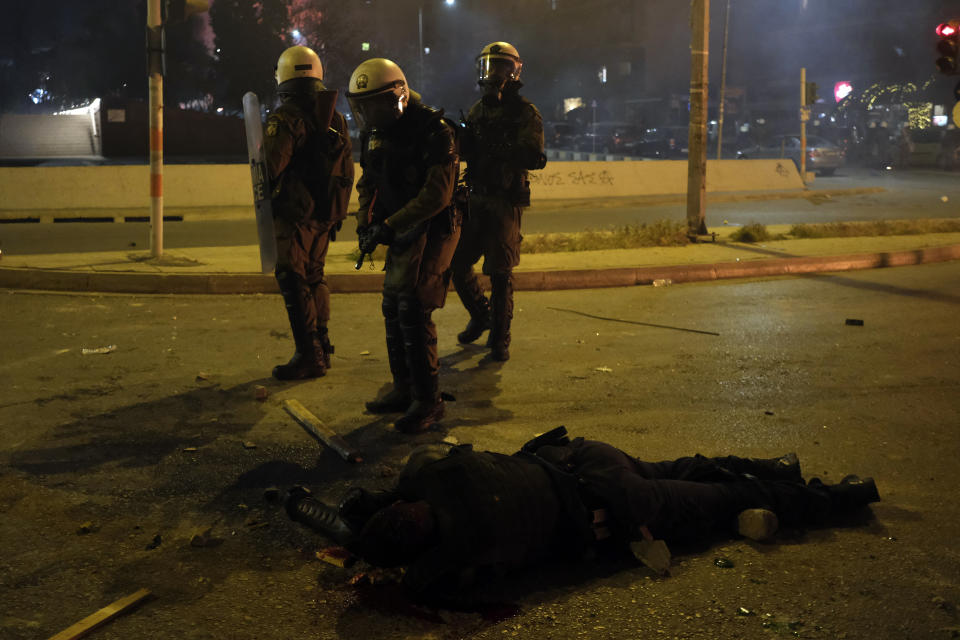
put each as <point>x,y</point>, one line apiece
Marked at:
<point>518,194</point>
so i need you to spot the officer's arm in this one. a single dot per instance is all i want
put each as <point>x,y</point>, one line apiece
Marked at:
<point>280,139</point>
<point>530,144</point>
<point>365,192</point>
<point>437,190</point>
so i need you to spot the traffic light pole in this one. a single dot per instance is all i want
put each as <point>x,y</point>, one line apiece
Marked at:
<point>697,158</point>
<point>155,45</point>
<point>804,114</point>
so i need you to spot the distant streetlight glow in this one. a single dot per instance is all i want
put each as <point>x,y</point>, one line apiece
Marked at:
<point>365,46</point>
<point>450,3</point>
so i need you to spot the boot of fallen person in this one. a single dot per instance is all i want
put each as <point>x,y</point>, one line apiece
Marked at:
<point>853,492</point>
<point>302,507</point>
<point>757,524</point>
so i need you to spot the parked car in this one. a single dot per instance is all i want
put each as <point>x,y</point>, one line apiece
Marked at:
<point>609,137</point>
<point>823,156</point>
<point>664,143</point>
<point>558,135</point>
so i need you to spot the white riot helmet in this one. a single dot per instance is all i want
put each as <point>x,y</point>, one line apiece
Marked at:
<point>498,60</point>
<point>378,93</point>
<point>298,62</point>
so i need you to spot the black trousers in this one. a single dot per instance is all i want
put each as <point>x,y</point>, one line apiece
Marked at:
<point>684,499</point>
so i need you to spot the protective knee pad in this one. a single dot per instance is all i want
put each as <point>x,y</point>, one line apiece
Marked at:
<point>410,310</point>
<point>390,307</point>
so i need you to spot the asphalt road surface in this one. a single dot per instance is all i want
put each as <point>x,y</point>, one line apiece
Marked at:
<point>163,438</point>
<point>913,194</point>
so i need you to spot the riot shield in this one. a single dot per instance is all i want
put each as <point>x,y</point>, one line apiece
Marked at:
<point>261,182</point>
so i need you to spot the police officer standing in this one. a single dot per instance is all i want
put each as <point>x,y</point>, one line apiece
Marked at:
<point>502,141</point>
<point>410,171</point>
<point>308,156</point>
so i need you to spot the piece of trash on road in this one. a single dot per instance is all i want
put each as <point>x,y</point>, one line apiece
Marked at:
<point>724,563</point>
<point>189,449</point>
<point>364,353</point>
<point>260,392</point>
<point>337,556</point>
<point>853,322</point>
<point>743,611</point>
<point>604,369</point>
<point>87,527</point>
<point>107,349</point>
<point>451,440</point>
<point>249,445</point>
<point>662,282</point>
<point>202,376</point>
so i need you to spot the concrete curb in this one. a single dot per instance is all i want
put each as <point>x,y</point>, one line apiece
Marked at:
<point>234,283</point>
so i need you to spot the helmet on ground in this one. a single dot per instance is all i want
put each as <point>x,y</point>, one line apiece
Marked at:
<point>298,62</point>
<point>378,93</point>
<point>499,60</point>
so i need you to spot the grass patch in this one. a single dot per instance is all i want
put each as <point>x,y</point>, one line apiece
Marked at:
<point>874,228</point>
<point>663,233</point>
<point>755,232</point>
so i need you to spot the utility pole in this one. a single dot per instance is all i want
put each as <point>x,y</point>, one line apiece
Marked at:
<point>155,46</point>
<point>804,116</point>
<point>697,159</point>
<point>723,81</point>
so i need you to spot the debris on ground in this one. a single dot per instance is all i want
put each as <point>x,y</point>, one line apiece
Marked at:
<point>102,616</point>
<point>364,353</point>
<point>724,563</point>
<point>451,440</point>
<point>604,369</point>
<point>108,349</point>
<point>662,282</point>
<point>743,611</point>
<point>205,538</point>
<point>201,376</point>
<point>337,556</point>
<point>249,445</point>
<point>189,449</point>
<point>260,392</point>
<point>87,527</point>
<point>853,322</point>
<point>319,431</point>
<point>378,575</point>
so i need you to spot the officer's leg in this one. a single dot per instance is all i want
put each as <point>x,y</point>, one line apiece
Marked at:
<point>307,360</point>
<point>317,255</point>
<point>466,282</point>
<point>420,348</point>
<point>501,314</point>
<point>703,469</point>
<point>398,398</point>
<point>503,254</point>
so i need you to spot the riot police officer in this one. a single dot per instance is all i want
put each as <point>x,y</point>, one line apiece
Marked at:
<point>410,171</point>
<point>308,156</point>
<point>502,141</point>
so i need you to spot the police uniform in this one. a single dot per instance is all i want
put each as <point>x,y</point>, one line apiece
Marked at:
<point>502,141</point>
<point>410,171</point>
<point>308,156</point>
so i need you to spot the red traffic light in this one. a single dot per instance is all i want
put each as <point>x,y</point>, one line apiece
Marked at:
<point>947,30</point>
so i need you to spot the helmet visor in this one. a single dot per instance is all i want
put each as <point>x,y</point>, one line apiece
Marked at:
<point>377,110</point>
<point>498,67</point>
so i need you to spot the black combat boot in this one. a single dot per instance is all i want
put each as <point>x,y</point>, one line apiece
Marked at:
<point>420,349</point>
<point>397,399</point>
<point>305,509</point>
<point>852,493</point>
<point>308,359</point>
<point>326,346</point>
<point>471,294</point>
<point>501,313</point>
